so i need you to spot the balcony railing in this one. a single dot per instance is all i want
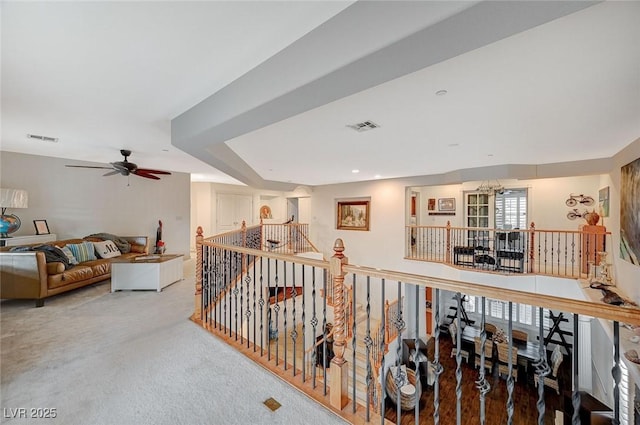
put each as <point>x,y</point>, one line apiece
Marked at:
<point>563,253</point>
<point>350,357</point>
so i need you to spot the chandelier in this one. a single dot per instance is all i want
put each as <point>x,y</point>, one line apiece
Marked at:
<point>490,188</point>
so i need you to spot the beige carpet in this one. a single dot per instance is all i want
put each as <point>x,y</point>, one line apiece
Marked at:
<point>133,358</point>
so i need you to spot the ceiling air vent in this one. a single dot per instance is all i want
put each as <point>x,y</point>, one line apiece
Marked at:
<point>364,126</point>
<point>42,138</point>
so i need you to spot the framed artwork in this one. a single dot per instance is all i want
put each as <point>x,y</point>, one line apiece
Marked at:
<point>353,215</point>
<point>603,199</point>
<point>41,227</point>
<point>265,211</point>
<point>431,204</point>
<point>630,212</point>
<point>447,204</point>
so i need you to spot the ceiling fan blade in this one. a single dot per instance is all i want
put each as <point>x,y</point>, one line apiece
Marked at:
<point>121,168</point>
<point>88,166</point>
<point>111,173</point>
<point>148,176</point>
<point>147,171</point>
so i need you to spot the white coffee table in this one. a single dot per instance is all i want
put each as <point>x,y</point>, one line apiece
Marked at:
<point>149,272</point>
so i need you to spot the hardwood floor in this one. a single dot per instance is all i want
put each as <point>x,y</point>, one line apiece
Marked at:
<point>525,397</point>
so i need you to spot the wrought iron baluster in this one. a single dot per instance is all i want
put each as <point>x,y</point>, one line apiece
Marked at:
<point>575,395</point>
<point>483,386</point>
<point>226,260</point>
<point>616,372</point>
<point>239,280</point>
<point>542,367</point>
<point>304,324</point>
<point>398,322</point>
<point>510,383</point>
<point>276,308</point>
<point>368,342</point>
<point>438,369</point>
<point>269,309</point>
<point>294,332</point>
<point>417,355</point>
<point>284,301</point>
<point>458,337</point>
<point>353,340</point>
<point>324,332</point>
<point>247,313</point>
<point>261,304</point>
<point>381,396</point>
<point>255,260</point>
<point>314,323</point>
<point>234,282</point>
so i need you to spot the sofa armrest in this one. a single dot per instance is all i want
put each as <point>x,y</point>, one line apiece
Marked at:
<point>55,267</point>
<point>23,275</point>
<point>142,242</point>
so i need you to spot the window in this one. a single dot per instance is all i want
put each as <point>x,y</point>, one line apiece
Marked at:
<point>521,313</point>
<point>511,209</point>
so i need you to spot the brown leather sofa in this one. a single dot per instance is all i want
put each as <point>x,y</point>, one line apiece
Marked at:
<point>27,275</point>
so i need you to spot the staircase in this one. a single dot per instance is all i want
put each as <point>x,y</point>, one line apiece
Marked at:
<point>361,355</point>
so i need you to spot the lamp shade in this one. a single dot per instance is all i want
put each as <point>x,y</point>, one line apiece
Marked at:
<point>14,198</point>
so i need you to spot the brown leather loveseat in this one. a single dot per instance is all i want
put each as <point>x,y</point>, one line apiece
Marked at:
<point>27,275</point>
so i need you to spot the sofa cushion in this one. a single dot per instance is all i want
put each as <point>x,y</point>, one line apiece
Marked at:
<point>66,251</point>
<point>75,274</point>
<point>83,251</point>
<point>106,249</point>
<point>99,267</point>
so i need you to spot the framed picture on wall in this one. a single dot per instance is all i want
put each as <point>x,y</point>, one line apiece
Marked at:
<point>431,204</point>
<point>447,204</point>
<point>41,227</point>
<point>352,215</point>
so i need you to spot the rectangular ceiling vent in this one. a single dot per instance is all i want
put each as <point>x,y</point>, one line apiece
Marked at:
<point>42,138</point>
<point>364,126</point>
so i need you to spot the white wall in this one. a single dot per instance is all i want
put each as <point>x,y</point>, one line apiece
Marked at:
<point>77,202</point>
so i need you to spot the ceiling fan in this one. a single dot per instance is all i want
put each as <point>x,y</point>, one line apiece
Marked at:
<point>126,168</point>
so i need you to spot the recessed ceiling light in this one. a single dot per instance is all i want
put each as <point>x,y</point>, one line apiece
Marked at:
<point>490,154</point>
<point>453,145</point>
<point>165,150</point>
<point>441,92</point>
<point>356,171</point>
<point>377,176</point>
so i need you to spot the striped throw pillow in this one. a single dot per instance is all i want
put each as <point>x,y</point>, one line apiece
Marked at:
<point>66,251</point>
<point>83,251</point>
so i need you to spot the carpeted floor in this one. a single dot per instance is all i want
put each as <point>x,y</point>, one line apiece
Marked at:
<point>133,358</point>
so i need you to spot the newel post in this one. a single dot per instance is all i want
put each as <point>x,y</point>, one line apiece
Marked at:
<point>532,233</point>
<point>197,312</point>
<point>448,243</point>
<point>339,369</point>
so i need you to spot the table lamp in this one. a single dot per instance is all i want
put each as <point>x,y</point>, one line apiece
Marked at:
<point>11,198</point>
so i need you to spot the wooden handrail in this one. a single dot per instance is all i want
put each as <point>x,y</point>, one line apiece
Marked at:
<point>310,349</point>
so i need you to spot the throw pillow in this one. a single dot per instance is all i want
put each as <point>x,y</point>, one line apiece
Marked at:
<point>138,249</point>
<point>83,251</point>
<point>66,251</point>
<point>106,249</point>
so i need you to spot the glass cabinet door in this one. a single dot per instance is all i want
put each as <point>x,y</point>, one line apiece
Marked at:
<point>478,217</point>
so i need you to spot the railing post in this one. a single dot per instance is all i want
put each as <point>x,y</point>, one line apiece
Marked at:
<point>532,240</point>
<point>339,371</point>
<point>448,243</point>
<point>197,312</point>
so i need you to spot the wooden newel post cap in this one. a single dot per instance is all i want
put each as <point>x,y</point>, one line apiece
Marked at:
<point>338,258</point>
<point>199,231</point>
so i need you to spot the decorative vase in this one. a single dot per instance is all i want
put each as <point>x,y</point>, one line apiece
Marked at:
<point>592,218</point>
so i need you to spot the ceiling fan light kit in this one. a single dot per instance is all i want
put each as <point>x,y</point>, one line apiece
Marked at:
<point>126,168</point>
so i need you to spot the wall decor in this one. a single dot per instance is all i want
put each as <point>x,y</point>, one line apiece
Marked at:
<point>265,211</point>
<point>603,200</point>
<point>41,227</point>
<point>431,206</point>
<point>353,215</point>
<point>630,212</point>
<point>447,204</point>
